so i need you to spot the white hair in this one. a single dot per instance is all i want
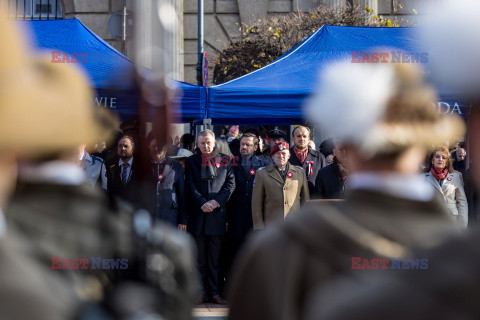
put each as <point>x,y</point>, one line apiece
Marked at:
<point>206,132</point>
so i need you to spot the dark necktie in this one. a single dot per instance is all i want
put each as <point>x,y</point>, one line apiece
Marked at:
<point>124,172</point>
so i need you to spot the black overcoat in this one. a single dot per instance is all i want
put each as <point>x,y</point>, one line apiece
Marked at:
<point>199,192</point>
<point>239,208</point>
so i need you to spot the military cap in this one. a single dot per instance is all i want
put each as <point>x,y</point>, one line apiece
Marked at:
<point>279,147</point>
<point>276,133</point>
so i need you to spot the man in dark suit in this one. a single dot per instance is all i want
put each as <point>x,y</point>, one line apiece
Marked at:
<point>210,182</point>
<point>121,180</point>
<point>167,202</point>
<point>301,155</point>
<point>239,209</point>
<point>330,182</point>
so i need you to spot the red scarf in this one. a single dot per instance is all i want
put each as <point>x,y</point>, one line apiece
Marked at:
<point>301,155</point>
<point>439,175</point>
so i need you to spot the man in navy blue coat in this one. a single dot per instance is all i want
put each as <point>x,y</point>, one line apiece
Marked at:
<point>239,209</point>
<point>209,183</point>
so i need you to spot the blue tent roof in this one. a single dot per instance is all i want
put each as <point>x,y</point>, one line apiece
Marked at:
<point>109,72</point>
<point>274,94</point>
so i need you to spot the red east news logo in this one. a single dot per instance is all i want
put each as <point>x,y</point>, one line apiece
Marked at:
<point>93,263</point>
<point>389,57</point>
<point>359,263</point>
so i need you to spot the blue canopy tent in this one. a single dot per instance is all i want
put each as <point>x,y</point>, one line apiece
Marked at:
<point>274,94</point>
<point>111,74</point>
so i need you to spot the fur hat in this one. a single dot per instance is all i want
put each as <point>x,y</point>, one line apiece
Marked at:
<point>380,108</point>
<point>454,50</point>
<point>45,107</point>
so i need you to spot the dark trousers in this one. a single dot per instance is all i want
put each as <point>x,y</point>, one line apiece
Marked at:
<point>234,246</point>
<point>208,262</point>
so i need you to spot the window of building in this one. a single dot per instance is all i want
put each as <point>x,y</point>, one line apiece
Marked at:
<point>32,9</point>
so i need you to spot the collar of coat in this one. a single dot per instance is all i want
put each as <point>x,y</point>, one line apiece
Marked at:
<point>289,168</point>
<point>431,179</point>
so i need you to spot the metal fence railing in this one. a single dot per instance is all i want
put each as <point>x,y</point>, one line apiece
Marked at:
<point>32,9</point>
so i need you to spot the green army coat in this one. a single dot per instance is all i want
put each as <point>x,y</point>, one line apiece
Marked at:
<point>273,198</point>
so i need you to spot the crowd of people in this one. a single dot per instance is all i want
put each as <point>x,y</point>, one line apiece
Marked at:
<point>221,190</point>
<point>90,230</point>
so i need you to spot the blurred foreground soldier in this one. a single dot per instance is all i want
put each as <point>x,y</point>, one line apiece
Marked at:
<point>209,183</point>
<point>448,288</point>
<point>70,253</point>
<point>239,208</point>
<point>389,207</point>
<point>305,157</point>
<point>168,188</point>
<point>330,183</point>
<point>93,167</point>
<point>278,189</point>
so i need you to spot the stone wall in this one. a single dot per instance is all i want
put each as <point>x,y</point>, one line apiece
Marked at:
<point>223,19</point>
<point>95,15</point>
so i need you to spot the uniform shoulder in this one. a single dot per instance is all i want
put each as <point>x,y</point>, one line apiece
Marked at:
<point>96,159</point>
<point>297,168</point>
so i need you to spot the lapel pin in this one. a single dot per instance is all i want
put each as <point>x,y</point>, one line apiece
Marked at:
<point>252,172</point>
<point>289,174</point>
<point>160,177</point>
<point>449,179</point>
